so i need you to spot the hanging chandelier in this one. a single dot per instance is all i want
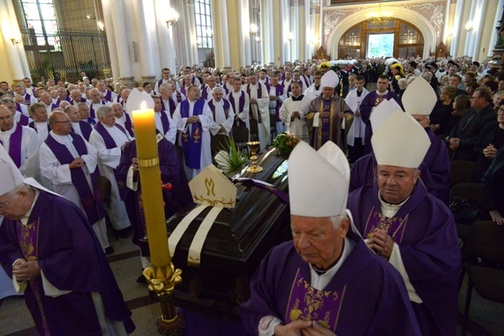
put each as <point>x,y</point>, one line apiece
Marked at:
<point>379,18</point>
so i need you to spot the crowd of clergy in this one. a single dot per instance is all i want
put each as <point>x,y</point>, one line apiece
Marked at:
<point>69,137</point>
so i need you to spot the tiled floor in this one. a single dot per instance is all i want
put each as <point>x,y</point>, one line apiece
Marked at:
<point>486,318</point>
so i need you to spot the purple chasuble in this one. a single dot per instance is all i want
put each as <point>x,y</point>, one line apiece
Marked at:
<point>28,243</point>
<point>91,200</point>
<point>393,226</point>
<point>18,107</point>
<point>15,145</point>
<point>429,251</point>
<point>280,288</point>
<point>241,105</point>
<point>279,92</point>
<point>59,237</point>
<point>309,304</point>
<point>326,122</point>
<point>191,143</point>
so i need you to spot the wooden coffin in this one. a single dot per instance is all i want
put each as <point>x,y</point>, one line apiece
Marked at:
<point>237,242</point>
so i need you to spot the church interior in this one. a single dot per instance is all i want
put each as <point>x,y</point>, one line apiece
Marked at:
<point>130,43</point>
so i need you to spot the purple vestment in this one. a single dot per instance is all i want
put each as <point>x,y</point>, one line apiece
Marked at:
<point>278,104</point>
<point>86,129</point>
<point>71,258</point>
<point>429,251</point>
<point>91,199</point>
<point>372,298</point>
<point>371,100</point>
<point>437,161</point>
<point>172,171</point>
<point>191,143</point>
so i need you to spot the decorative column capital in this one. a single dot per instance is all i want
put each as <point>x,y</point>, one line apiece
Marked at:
<point>189,2</point>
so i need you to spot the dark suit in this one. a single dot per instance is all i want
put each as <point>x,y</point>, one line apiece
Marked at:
<point>493,193</point>
<point>489,134</point>
<point>468,132</point>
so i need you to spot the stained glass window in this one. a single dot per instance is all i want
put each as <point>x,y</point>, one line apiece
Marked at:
<point>203,16</point>
<point>41,17</point>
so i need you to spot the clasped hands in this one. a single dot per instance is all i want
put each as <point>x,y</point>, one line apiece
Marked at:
<point>454,143</point>
<point>381,243</point>
<point>302,328</point>
<point>193,120</point>
<point>26,270</point>
<point>77,163</point>
<point>490,151</point>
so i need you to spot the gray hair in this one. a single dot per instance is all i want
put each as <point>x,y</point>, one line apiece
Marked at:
<point>217,89</point>
<point>101,112</point>
<point>403,83</point>
<point>336,220</point>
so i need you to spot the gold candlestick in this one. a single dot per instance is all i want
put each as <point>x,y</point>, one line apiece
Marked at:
<point>162,275</point>
<point>254,146</point>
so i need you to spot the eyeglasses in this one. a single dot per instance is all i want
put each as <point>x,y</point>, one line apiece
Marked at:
<point>4,204</point>
<point>63,122</point>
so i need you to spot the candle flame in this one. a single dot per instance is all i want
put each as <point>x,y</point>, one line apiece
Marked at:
<point>143,106</point>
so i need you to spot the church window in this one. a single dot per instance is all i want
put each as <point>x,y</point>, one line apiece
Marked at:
<point>40,16</point>
<point>203,17</point>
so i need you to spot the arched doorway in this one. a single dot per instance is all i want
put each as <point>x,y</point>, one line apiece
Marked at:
<point>406,40</point>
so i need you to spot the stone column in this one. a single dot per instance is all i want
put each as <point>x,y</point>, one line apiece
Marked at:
<point>471,34</point>
<point>294,29</point>
<point>479,25</point>
<point>277,36</point>
<point>109,31</point>
<point>145,35</point>
<point>244,18</point>
<point>268,31</point>
<point>168,51</point>
<point>457,26</point>
<point>114,11</point>
<point>235,34</point>
<point>186,28</point>
<point>287,56</point>
<point>220,33</point>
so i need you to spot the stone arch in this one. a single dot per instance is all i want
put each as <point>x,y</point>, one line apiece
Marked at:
<point>405,14</point>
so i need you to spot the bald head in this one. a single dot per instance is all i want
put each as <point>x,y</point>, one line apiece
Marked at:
<point>60,123</point>
<point>72,112</point>
<point>118,110</point>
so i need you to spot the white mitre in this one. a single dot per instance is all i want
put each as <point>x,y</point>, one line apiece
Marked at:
<point>11,176</point>
<point>329,79</point>
<point>400,141</point>
<point>382,112</point>
<point>318,181</point>
<point>419,97</point>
